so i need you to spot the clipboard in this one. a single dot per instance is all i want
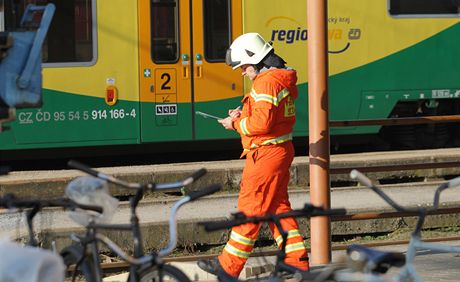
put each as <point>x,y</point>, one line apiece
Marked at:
<point>205,115</point>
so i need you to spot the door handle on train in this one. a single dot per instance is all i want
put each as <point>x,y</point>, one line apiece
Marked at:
<point>185,66</point>
<point>185,71</point>
<point>199,66</point>
<point>199,71</point>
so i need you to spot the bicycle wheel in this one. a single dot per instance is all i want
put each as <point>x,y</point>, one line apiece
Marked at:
<point>162,273</point>
<point>72,255</point>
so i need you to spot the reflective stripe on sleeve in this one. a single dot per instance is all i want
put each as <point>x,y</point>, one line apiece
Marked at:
<point>244,127</point>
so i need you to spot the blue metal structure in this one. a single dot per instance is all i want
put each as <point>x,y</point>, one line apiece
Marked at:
<point>20,65</point>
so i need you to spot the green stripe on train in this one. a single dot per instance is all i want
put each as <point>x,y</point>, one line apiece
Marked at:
<point>73,120</point>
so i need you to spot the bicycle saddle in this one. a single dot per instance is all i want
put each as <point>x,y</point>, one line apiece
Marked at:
<point>374,260</point>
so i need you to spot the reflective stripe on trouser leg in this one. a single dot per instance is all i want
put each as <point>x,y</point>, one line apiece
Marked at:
<point>296,252</point>
<point>238,248</point>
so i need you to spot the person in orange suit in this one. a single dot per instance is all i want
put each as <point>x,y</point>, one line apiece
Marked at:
<point>265,124</point>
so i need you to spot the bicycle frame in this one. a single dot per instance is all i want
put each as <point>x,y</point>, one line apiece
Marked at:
<point>92,237</point>
<point>139,259</point>
<point>408,270</point>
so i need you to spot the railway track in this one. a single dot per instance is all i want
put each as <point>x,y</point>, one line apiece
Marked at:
<point>121,266</point>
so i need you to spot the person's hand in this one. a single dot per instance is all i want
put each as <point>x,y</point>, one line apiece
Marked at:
<point>227,123</point>
<point>234,113</point>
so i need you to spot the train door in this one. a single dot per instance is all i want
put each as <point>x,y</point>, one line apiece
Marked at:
<point>182,67</point>
<point>217,87</point>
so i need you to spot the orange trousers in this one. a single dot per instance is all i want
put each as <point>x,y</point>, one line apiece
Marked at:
<point>263,191</point>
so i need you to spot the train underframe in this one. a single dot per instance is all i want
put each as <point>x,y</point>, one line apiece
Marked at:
<point>423,136</point>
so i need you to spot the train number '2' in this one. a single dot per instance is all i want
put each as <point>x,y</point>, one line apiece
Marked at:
<point>166,81</point>
<point>167,78</point>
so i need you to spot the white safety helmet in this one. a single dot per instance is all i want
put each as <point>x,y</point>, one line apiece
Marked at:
<point>247,49</point>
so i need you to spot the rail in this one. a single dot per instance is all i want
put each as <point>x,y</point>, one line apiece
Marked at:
<point>395,121</point>
<point>379,168</point>
<point>382,215</point>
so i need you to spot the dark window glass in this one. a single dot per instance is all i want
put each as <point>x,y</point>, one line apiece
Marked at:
<point>217,32</point>
<point>164,26</point>
<point>70,36</point>
<point>424,7</point>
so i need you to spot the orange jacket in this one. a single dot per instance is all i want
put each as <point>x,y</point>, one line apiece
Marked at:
<point>268,114</point>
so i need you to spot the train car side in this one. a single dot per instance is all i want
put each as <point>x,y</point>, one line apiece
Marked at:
<point>120,72</point>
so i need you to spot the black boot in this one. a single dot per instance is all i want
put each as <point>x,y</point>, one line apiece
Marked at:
<point>210,265</point>
<point>213,266</point>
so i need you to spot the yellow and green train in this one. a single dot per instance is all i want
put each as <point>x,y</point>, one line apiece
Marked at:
<point>126,72</point>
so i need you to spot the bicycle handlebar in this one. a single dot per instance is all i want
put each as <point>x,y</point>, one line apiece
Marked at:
<point>453,182</point>
<point>364,180</point>
<point>206,191</point>
<point>150,186</point>
<point>10,201</point>
<point>240,218</point>
<point>178,184</point>
<point>83,167</point>
<point>172,216</point>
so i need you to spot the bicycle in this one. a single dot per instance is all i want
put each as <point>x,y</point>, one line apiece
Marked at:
<point>281,268</point>
<point>374,262</point>
<point>142,267</point>
<point>42,265</point>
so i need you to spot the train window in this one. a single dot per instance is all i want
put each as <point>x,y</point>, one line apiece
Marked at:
<point>164,26</point>
<point>71,36</point>
<point>217,31</point>
<point>424,8</point>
